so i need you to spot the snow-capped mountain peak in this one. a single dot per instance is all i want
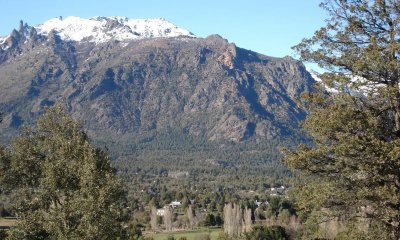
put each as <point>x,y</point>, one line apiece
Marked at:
<point>103,29</point>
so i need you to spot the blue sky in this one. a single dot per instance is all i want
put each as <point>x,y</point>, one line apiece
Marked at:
<point>270,27</point>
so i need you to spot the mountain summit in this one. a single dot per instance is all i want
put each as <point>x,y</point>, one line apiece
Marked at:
<point>148,87</point>
<point>103,29</point>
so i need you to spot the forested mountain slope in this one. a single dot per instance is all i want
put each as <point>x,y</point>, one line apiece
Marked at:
<point>174,98</point>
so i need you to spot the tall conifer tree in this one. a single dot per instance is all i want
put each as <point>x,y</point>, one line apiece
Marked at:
<point>353,166</point>
<point>65,188</point>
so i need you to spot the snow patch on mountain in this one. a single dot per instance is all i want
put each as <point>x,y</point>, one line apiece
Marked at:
<point>3,46</point>
<point>3,39</point>
<point>103,29</point>
<point>314,74</point>
<point>357,86</point>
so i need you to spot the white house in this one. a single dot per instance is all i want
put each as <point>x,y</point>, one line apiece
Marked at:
<point>160,212</point>
<point>175,203</point>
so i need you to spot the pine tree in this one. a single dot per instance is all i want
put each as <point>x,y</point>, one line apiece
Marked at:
<point>65,188</point>
<point>353,166</point>
<point>208,221</point>
<point>218,220</point>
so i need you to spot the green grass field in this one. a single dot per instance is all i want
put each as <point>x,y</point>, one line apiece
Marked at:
<point>190,235</point>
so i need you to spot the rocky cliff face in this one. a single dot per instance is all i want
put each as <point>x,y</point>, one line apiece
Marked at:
<point>206,88</point>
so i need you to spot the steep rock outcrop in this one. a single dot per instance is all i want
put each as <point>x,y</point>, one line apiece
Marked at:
<point>207,88</point>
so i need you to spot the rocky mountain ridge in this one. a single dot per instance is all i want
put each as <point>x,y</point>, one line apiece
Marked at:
<point>205,88</point>
<point>102,29</point>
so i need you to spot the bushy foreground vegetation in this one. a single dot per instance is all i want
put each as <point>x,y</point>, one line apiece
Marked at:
<point>61,187</point>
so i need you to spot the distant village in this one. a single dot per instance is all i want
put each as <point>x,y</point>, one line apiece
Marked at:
<point>272,192</point>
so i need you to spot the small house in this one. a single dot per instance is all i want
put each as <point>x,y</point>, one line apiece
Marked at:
<point>175,204</point>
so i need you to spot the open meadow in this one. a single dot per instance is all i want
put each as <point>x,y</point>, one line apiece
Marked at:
<point>190,235</point>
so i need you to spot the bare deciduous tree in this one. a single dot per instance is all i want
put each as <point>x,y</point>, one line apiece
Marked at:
<point>168,218</point>
<point>236,220</point>
<point>153,219</point>
<point>247,220</point>
<point>190,216</point>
